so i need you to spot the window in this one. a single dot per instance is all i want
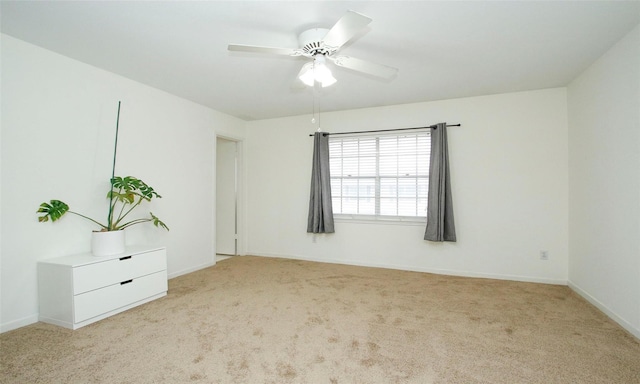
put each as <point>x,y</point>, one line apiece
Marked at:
<point>381,176</point>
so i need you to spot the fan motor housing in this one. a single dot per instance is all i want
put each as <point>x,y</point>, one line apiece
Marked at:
<point>311,42</point>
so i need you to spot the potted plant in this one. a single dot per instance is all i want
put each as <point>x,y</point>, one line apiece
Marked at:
<point>125,195</point>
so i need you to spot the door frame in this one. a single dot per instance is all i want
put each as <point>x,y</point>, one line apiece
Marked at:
<point>239,195</point>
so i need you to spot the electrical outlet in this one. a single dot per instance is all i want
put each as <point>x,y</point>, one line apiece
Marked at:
<point>544,255</point>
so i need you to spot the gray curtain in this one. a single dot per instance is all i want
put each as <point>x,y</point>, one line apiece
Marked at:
<point>440,225</point>
<point>320,209</point>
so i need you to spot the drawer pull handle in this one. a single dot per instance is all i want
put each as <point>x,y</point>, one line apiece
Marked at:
<point>126,282</point>
<point>125,258</point>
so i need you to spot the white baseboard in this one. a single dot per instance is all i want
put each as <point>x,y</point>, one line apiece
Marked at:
<point>15,324</point>
<point>607,311</point>
<point>527,279</point>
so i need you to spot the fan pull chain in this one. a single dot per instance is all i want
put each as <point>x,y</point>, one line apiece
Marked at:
<point>316,101</point>
<point>313,108</point>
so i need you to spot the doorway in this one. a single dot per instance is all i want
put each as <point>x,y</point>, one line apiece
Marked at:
<point>226,198</point>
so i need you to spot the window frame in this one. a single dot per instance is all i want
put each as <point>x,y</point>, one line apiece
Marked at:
<point>379,218</point>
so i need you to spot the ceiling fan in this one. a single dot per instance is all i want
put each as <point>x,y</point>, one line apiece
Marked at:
<point>320,45</point>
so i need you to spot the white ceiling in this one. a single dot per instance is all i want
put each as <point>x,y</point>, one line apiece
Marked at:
<point>443,49</point>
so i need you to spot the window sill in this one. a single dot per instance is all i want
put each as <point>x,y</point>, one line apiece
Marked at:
<point>361,219</point>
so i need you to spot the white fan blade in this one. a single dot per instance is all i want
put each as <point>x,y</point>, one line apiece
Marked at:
<point>346,28</point>
<point>367,67</point>
<point>272,50</point>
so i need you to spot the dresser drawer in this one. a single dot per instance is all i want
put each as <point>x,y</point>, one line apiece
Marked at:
<point>103,300</point>
<point>94,276</point>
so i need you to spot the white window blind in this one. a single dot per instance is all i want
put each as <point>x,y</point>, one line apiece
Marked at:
<point>384,175</point>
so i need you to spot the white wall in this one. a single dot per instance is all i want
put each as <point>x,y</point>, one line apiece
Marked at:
<point>509,179</point>
<point>58,126</point>
<point>604,183</point>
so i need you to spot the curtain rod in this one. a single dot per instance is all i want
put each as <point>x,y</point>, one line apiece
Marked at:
<point>435,126</point>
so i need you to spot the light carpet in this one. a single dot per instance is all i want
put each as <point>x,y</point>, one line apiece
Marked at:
<point>269,320</point>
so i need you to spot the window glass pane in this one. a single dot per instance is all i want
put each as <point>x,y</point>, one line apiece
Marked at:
<point>423,143</point>
<point>423,187</point>
<point>336,188</point>
<point>388,206</point>
<point>388,165</point>
<point>388,187</point>
<point>349,187</point>
<point>349,205</point>
<point>422,164</point>
<point>407,165</point>
<point>335,148</point>
<point>367,206</point>
<point>335,167</point>
<point>367,147</point>
<point>350,166</point>
<point>367,166</point>
<point>367,188</point>
<point>350,148</point>
<point>407,207</point>
<point>388,146</point>
<point>383,175</point>
<point>422,207</point>
<point>407,144</point>
<point>337,204</point>
<point>407,187</point>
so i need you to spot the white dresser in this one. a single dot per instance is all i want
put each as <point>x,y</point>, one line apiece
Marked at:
<point>81,289</point>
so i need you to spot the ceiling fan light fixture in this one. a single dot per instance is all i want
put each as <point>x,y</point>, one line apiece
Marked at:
<point>306,74</point>
<point>323,75</point>
<point>328,81</point>
<point>317,71</point>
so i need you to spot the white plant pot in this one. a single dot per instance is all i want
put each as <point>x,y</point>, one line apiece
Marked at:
<point>107,243</point>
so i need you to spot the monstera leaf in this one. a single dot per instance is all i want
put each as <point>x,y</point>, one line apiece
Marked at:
<point>157,222</point>
<point>53,210</point>
<point>132,185</point>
